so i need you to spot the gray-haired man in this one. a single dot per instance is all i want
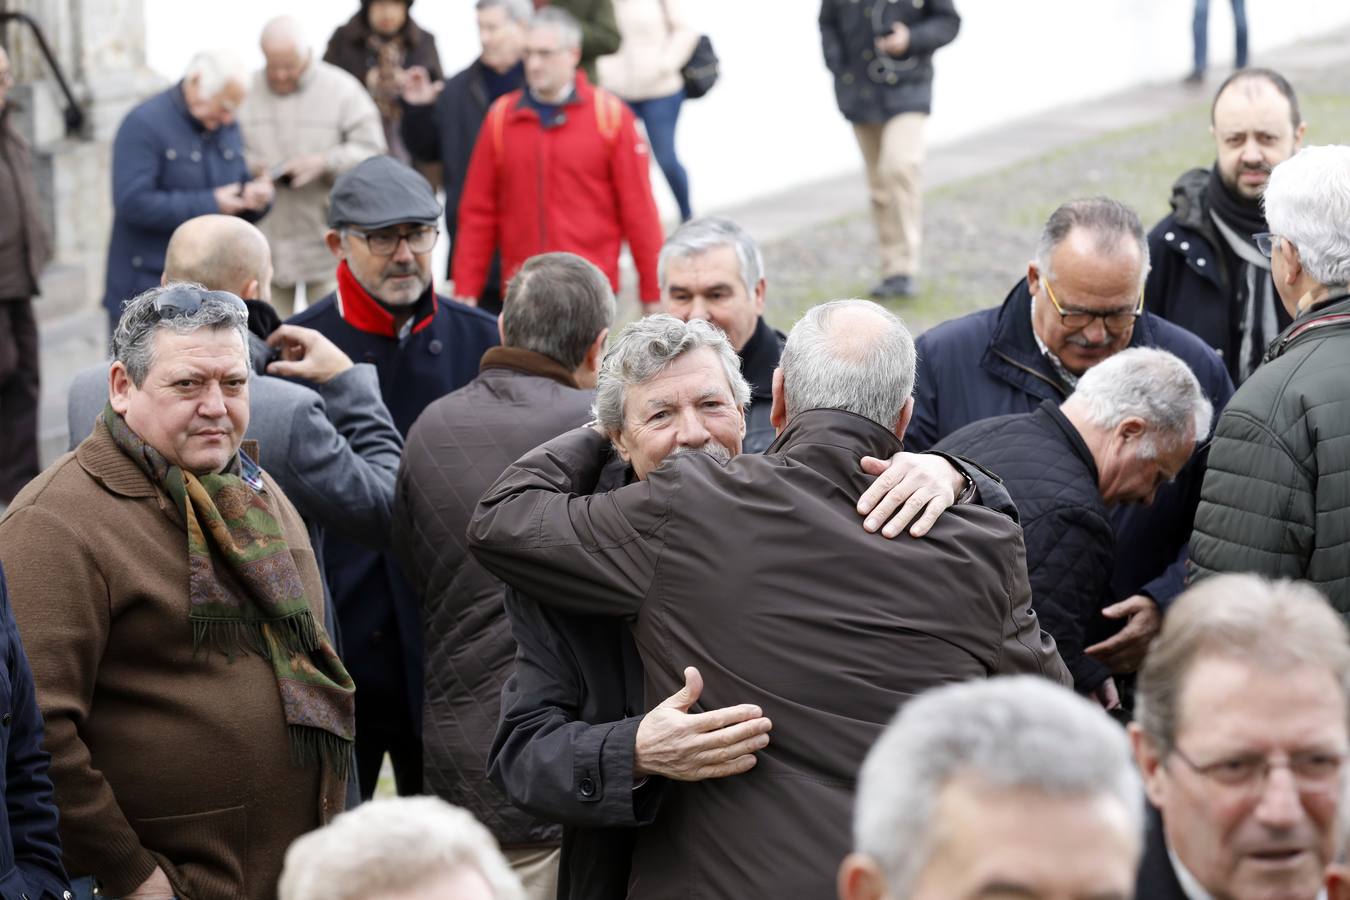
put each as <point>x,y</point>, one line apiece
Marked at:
<point>737,566</point>
<point>1128,429</point>
<point>1241,736</point>
<point>1005,788</point>
<point>711,269</point>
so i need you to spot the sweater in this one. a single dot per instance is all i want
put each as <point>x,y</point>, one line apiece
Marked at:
<point>160,756</point>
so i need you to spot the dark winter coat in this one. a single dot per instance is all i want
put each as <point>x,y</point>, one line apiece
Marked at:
<point>759,357</point>
<point>24,245</point>
<point>1276,499</point>
<point>1051,475</point>
<point>871,90</point>
<point>380,614</point>
<point>599,29</point>
<point>988,364</point>
<point>1157,879</point>
<point>1188,283</point>
<point>349,48</point>
<point>736,568</point>
<point>165,168</point>
<point>457,448</point>
<point>30,848</point>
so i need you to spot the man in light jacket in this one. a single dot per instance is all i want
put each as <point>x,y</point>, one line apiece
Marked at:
<point>305,122</point>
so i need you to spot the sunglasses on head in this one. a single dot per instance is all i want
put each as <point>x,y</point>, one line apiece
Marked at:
<point>186,301</point>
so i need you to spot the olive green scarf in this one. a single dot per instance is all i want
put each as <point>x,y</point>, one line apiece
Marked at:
<point>261,608</point>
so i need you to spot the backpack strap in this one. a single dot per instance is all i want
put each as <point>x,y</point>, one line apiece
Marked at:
<point>497,122</point>
<point>608,115</point>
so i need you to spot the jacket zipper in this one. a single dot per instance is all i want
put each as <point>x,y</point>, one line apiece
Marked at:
<point>1030,371</point>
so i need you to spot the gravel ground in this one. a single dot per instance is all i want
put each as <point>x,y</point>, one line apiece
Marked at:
<point>979,233</point>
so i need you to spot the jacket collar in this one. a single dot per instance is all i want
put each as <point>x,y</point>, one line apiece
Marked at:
<point>813,438</point>
<point>108,464</point>
<point>1014,357</point>
<point>759,357</point>
<point>1333,312</point>
<point>582,92</point>
<point>364,313</point>
<point>1054,420</point>
<point>527,362</point>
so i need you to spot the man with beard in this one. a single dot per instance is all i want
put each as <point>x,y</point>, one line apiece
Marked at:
<point>382,217</point>
<point>1208,275</point>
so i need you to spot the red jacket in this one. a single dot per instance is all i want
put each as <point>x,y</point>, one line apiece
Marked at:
<point>580,186</point>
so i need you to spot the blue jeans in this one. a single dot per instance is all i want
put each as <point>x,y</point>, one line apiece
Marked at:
<point>660,115</point>
<point>83,889</point>
<point>1200,28</point>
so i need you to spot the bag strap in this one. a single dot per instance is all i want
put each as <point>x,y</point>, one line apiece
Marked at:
<point>608,116</point>
<point>497,122</point>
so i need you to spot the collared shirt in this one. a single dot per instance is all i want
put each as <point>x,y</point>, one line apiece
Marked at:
<point>1069,379</point>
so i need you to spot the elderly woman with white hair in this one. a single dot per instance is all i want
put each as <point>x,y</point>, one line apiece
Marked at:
<point>1276,495</point>
<point>177,156</point>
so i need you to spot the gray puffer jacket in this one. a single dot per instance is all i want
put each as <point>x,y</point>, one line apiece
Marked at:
<point>1276,498</point>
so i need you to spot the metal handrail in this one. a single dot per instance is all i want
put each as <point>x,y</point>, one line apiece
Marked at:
<point>73,115</point>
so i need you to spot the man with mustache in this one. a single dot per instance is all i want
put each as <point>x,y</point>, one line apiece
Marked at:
<point>382,219</point>
<point>1208,275</point>
<point>1079,304</point>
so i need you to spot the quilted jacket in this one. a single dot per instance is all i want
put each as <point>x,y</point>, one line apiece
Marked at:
<point>1276,495</point>
<point>1052,477</point>
<point>455,451</point>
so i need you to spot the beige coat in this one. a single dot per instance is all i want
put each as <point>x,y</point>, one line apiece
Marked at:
<point>657,42</point>
<point>330,113</point>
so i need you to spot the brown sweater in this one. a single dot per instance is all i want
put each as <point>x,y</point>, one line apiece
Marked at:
<point>159,755</point>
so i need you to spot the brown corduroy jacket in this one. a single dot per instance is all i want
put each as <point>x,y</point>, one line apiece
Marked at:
<point>24,245</point>
<point>759,573</point>
<point>160,756</point>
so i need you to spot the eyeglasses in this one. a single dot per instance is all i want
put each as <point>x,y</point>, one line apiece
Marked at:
<point>1078,319</point>
<point>1265,242</point>
<point>385,243</point>
<point>1314,771</point>
<point>184,300</point>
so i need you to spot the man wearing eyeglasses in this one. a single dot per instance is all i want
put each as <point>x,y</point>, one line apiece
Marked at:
<point>1241,736</point>
<point>1079,304</point>
<point>382,219</point>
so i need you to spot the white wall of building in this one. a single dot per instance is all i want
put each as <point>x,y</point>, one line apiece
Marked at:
<point>771,122</point>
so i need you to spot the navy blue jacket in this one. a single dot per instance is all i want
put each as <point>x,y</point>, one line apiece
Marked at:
<point>30,849</point>
<point>987,364</point>
<point>380,614</point>
<point>165,167</point>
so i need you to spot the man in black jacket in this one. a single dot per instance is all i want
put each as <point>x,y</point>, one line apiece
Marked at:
<point>440,122</point>
<point>1208,275</point>
<point>1131,426</point>
<point>881,56</point>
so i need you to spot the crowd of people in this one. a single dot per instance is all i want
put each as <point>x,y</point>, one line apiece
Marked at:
<point>1047,602</point>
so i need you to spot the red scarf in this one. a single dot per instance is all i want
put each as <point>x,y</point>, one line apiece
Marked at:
<point>363,312</point>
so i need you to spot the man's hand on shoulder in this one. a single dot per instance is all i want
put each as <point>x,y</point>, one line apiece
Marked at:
<point>922,485</point>
<point>684,746</point>
<point>306,354</point>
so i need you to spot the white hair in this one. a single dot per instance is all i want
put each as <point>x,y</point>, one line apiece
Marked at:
<point>287,31</point>
<point>1151,384</point>
<point>216,69</point>
<point>867,371</point>
<point>517,10</point>
<point>698,236</point>
<point>1308,203</point>
<point>393,845</point>
<point>646,348</point>
<point>563,23</point>
<point>1005,733</point>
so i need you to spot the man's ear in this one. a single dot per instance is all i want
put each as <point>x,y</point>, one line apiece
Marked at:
<point>902,423</point>
<point>596,352</point>
<point>1131,428</point>
<point>1298,135</point>
<point>119,388</point>
<point>1293,263</point>
<point>860,878</point>
<point>760,290</point>
<point>1033,278</point>
<point>778,411</point>
<point>333,241</point>
<point>501,332</point>
<point>620,447</point>
<point>1149,762</point>
<point>251,290</point>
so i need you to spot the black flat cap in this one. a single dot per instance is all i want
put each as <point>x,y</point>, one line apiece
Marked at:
<point>379,192</point>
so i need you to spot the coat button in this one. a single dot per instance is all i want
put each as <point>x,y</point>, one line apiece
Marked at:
<point>136,261</point>
<point>587,787</point>
<point>435,347</point>
<point>1219,351</point>
<point>171,153</point>
<point>1185,245</point>
<point>196,156</point>
<point>848,78</point>
<point>6,719</point>
<point>229,154</point>
<point>1200,263</point>
<point>1169,236</point>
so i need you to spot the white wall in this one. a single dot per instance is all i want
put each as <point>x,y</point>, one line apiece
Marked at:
<point>772,123</point>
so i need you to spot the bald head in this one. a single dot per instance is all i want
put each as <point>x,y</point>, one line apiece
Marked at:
<point>850,355</point>
<point>223,253</point>
<point>287,53</point>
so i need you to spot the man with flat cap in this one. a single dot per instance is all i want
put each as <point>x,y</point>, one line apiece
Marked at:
<point>382,219</point>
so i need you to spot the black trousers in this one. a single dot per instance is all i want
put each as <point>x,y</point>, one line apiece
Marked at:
<point>20,389</point>
<point>404,746</point>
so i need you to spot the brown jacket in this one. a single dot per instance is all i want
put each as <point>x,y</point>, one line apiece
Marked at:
<point>159,756</point>
<point>759,573</point>
<point>456,449</point>
<point>24,248</point>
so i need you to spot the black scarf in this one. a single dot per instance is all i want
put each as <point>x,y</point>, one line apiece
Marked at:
<point>1238,213</point>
